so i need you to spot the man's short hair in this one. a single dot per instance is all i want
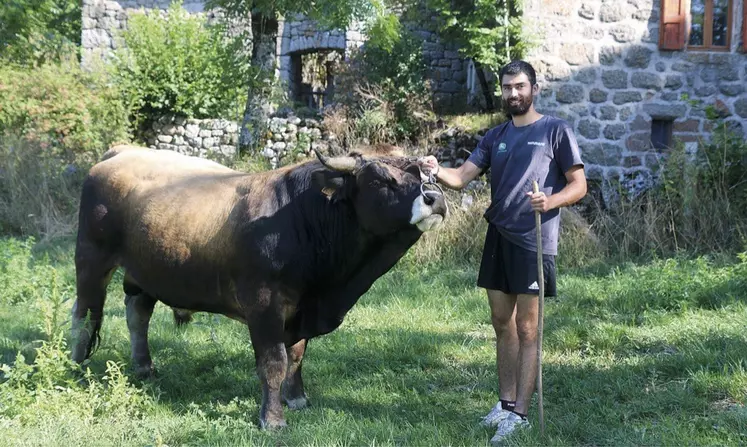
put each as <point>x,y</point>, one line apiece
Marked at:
<point>516,67</point>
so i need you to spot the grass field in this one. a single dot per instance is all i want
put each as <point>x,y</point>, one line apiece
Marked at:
<point>645,354</point>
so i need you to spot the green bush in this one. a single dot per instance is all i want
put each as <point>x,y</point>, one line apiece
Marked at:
<point>39,192</point>
<point>382,88</point>
<point>67,112</point>
<point>34,32</point>
<point>699,204</point>
<point>177,64</point>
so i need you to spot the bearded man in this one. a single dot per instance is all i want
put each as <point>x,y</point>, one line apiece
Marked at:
<point>526,148</point>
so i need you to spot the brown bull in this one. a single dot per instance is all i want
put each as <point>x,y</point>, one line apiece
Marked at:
<point>288,252</point>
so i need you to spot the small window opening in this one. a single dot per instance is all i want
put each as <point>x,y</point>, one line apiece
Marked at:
<point>661,133</point>
<point>314,77</point>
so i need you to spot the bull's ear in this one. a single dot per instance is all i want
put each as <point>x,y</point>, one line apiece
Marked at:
<point>331,183</point>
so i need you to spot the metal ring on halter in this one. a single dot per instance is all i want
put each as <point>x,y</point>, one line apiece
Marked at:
<point>425,193</point>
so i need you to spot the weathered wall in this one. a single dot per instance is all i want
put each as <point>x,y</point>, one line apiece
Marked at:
<point>103,18</point>
<point>447,70</point>
<point>288,138</point>
<point>601,69</point>
<point>203,138</point>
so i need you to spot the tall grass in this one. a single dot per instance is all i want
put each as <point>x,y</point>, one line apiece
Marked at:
<point>698,206</point>
<point>38,192</point>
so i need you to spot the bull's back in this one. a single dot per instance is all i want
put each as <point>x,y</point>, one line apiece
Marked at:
<point>167,218</point>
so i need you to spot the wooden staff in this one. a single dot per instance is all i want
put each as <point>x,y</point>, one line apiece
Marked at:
<point>540,316</point>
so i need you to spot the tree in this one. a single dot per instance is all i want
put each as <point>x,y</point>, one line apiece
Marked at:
<point>35,31</point>
<point>490,32</point>
<point>265,15</point>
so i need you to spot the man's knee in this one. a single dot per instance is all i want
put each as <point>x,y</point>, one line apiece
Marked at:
<point>501,322</point>
<point>526,330</point>
<point>502,309</point>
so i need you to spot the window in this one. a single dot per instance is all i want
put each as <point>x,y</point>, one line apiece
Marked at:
<point>699,24</point>
<point>709,23</point>
<point>661,133</point>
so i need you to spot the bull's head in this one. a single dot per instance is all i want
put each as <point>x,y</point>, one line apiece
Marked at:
<point>386,192</point>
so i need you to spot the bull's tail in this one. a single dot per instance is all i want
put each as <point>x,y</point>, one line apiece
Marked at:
<point>86,334</point>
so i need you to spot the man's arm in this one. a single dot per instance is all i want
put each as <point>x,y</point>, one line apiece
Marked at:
<point>570,194</point>
<point>454,178</point>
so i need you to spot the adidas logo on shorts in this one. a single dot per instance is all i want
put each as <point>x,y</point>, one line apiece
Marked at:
<point>534,286</point>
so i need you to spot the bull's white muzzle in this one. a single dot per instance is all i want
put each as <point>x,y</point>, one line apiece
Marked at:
<point>423,216</point>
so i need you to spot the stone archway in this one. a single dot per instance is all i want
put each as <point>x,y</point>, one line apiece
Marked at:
<point>302,45</point>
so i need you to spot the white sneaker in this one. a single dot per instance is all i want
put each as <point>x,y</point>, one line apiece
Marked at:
<point>496,415</point>
<point>507,426</point>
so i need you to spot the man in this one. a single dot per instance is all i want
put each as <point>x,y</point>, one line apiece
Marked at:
<point>528,147</point>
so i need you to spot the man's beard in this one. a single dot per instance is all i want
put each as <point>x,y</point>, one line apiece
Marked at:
<point>519,106</point>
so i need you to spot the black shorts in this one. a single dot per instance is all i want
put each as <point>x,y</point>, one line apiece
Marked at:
<point>511,269</point>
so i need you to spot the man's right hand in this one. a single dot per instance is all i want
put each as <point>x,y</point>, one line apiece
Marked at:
<point>429,165</point>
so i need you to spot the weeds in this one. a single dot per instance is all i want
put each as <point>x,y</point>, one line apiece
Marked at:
<point>38,192</point>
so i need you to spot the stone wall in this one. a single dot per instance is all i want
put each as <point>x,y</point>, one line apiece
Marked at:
<point>214,139</point>
<point>102,19</point>
<point>291,138</point>
<point>447,71</point>
<point>600,68</point>
<point>288,138</point>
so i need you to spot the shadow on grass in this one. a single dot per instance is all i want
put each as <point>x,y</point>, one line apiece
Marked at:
<point>19,333</point>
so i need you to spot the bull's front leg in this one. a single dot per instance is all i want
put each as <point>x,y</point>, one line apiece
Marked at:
<point>293,392</point>
<point>265,321</point>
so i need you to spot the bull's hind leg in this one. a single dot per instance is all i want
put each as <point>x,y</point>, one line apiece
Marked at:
<point>139,310</point>
<point>293,392</point>
<point>93,270</point>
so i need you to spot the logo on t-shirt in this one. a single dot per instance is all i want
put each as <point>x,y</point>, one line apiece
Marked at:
<point>536,143</point>
<point>502,148</point>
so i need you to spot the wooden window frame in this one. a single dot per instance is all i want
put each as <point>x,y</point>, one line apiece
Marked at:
<point>708,29</point>
<point>675,26</point>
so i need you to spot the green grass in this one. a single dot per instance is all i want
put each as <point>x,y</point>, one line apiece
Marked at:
<point>646,354</point>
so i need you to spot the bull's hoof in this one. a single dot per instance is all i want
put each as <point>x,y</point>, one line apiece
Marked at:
<point>297,403</point>
<point>272,424</point>
<point>144,372</point>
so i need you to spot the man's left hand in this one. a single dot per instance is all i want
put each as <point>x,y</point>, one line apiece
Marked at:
<point>540,202</point>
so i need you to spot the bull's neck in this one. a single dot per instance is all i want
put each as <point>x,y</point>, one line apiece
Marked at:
<point>329,232</point>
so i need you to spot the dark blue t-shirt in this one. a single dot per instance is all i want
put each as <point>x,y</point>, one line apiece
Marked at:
<point>544,151</point>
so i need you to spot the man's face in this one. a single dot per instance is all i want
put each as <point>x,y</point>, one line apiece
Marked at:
<point>517,94</point>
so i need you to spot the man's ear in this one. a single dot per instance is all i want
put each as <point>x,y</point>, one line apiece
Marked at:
<point>535,89</point>
<point>332,184</point>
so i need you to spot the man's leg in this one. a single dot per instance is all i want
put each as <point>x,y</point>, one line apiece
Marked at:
<point>527,309</point>
<point>503,317</point>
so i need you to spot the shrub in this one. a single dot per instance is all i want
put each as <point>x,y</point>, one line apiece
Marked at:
<point>382,88</point>
<point>175,63</point>
<point>67,113</point>
<point>39,192</point>
<point>34,32</point>
<point>699,204</point>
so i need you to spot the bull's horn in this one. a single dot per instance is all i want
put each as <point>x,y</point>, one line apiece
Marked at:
<point>341,164</point>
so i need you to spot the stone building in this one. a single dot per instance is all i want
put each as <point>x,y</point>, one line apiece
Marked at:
<point>298,37</point>
<point>631,76</point>
<point>634,75</point>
